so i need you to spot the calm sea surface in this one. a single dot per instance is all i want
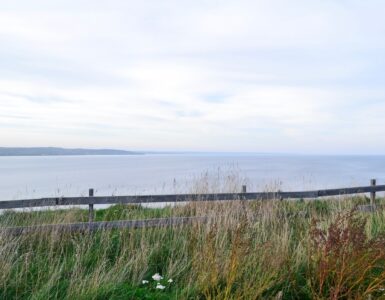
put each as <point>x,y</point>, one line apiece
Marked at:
<point>31,177</point>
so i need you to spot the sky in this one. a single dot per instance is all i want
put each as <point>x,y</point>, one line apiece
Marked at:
<point>244,76</point>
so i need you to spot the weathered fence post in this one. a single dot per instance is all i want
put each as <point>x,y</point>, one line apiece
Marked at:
<point>90,207</point>
<point>372,193</point>
<point>243,199</point>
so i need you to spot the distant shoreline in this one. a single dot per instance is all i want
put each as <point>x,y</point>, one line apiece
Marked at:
<point>55,151</point>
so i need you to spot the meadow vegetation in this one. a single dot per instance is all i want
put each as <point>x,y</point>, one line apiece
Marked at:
<point>319,249</point>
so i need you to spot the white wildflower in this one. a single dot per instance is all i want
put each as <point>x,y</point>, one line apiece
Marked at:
<point>157,277</point>
<point>170,281</point>
<point>144,281</point>
<point>160,287</point>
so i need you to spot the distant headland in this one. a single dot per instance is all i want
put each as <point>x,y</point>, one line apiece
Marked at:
<point>54,151</point>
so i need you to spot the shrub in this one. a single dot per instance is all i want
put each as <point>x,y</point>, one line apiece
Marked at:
<point>343,262</point>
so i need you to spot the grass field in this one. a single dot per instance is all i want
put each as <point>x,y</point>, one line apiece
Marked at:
<point>254,250</point>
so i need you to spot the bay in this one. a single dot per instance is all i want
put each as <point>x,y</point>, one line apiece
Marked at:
<point>34,177</point>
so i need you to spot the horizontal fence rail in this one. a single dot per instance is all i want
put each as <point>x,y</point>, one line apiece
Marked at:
<point>140,199</point>
<point>95,226</point>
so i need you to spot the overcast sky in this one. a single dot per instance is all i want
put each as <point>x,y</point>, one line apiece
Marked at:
<point>261,76</point>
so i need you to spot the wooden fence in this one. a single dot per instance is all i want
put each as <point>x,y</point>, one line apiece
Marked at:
<point>92,200</point>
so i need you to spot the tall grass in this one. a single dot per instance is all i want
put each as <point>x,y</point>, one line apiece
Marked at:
<point>246,250</point>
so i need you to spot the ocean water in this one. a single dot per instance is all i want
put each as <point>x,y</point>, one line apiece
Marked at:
<point>34,177</point>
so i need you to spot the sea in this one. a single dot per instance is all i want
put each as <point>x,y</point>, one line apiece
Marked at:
<point>64,176</point>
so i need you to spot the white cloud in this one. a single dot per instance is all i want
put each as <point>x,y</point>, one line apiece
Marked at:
<point>233,75</point>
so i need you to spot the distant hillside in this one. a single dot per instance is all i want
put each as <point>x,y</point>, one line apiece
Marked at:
<point>49,151</point>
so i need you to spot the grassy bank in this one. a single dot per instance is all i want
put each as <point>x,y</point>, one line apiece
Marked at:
<point>254,250</point>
